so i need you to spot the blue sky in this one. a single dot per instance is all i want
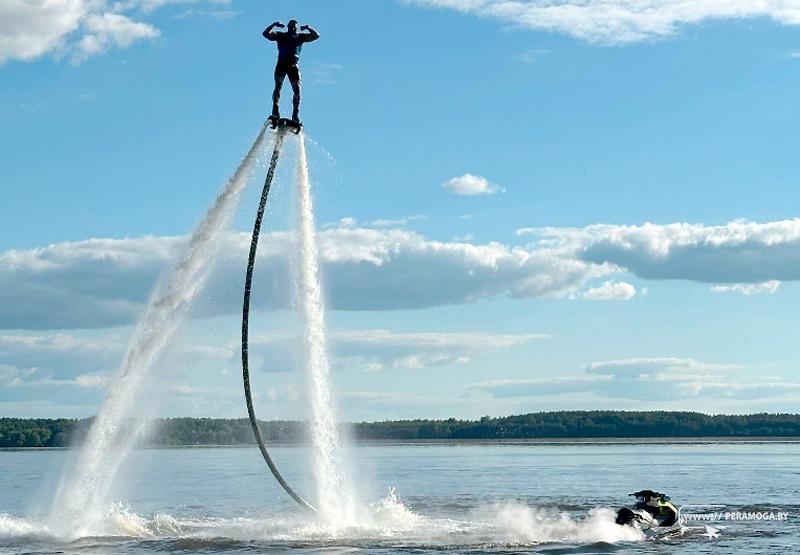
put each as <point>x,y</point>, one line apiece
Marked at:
<point>634,242</point>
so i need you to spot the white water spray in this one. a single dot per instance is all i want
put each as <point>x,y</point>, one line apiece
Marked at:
<point>81,503</point>
<point>324,435</point>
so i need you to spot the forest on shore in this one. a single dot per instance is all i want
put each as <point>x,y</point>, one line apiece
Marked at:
<point>62,432</point>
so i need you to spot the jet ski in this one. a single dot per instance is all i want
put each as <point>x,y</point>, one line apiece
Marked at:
<point>653,513</point>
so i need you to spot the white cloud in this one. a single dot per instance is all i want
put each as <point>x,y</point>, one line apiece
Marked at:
<point>381,349</point>
<point>33,383</point>
<point>92,283</point>
<point>389,222</point>
<point>619,21</point>
<point>196,378</point>
<point>397,222</point>
<point>30,29</point>
<point>323,73</point>
<point>408,405</point>
<point>152,5</point>
<point>10,375</point>
<point>61,360</point>
<point>378,350</point>
<point>737,252</point>
<point>471,185</point>
<point>389,269</point>
<point>103,31</point>
<point>659,366</point>
<point>218,15</point>
<point>654,380</point>
<point>532,56</point>
<point>105,282</point>
<point>610,291</point>
<point>346,222</point>
<point>538,387</point>
<point>79,29</point>
<point>748,288</point>
<point>61,355</point>
<point>92,381</point>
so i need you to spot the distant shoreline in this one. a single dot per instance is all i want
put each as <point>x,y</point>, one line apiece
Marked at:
<point>541,428</point>
<point>473,442</point>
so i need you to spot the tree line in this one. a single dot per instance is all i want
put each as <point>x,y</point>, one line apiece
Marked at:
<point>62,432</point>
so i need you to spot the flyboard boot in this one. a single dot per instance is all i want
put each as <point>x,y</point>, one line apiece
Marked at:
<point>295,123</point>
<point>275,118</point>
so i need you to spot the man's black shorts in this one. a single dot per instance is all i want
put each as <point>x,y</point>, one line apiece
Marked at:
<point>287,68</point>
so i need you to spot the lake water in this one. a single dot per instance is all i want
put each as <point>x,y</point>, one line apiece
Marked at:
<point>418,498</point>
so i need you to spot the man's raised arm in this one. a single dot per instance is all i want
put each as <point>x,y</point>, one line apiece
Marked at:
<point>311,35</point>
<point>268,34</point>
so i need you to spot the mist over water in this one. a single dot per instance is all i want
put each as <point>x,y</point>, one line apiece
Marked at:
<point>81,504</point>
<point>332,500</point>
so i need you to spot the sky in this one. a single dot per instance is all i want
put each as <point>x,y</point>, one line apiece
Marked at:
<point>522,206</point>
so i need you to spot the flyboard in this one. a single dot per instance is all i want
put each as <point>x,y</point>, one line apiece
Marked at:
<point>279,123</point>
<point>281,126</point>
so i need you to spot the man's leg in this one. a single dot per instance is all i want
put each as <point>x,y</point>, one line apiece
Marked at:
<point>294,79</point>
<point>280,74</point>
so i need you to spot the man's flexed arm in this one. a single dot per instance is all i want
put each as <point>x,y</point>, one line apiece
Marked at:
<point>311,35</point>
<point>268,34</point>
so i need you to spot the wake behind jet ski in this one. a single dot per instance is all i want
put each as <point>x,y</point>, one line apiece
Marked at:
<point>652,510</point>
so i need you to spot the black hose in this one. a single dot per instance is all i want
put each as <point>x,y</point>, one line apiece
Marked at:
<point>248,280</point>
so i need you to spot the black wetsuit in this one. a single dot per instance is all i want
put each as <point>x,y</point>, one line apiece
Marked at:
<point>289,47</point>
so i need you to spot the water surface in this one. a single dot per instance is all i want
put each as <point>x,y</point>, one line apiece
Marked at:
<point>418,498</point>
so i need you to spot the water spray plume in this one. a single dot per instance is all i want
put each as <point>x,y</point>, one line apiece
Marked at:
<point>308,292</point>
<point>309,300</point>
<point>248,283</point>
<point>81,502</point>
